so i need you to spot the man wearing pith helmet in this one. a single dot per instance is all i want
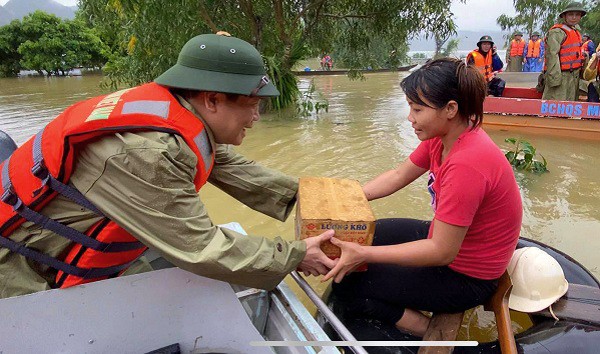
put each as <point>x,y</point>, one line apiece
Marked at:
<point>487,61</point>
<point>132,163</point>
<point>564,57</point>
<point>514,52</point>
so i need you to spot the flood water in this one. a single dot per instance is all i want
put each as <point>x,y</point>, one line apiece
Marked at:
<point>364,133</point>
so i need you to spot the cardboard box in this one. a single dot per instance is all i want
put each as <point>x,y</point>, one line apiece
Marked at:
<point>334,204</point>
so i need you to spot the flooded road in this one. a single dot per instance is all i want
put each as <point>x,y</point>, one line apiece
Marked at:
<point>364,133</point>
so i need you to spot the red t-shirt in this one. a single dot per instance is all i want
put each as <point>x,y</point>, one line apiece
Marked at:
<point>475,186</point>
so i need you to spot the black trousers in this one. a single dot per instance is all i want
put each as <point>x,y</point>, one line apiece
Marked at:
<point>385,290</point>
<point>592,93</point>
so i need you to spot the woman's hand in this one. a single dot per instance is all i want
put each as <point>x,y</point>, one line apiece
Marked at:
<point>353,255</point>
<point>315,262</point>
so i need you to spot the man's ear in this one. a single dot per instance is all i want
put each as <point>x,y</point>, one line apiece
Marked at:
<point>452,109</point>
<point>209,100</point>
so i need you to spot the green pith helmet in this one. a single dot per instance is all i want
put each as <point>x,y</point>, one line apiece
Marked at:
<point>518,33</point>
<point>535,34</point>
<point>485,38</point>
<point>574,6</point>
<point>219,63</point>
<point>586,35</point>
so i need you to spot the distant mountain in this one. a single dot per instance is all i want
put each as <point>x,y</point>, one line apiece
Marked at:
<point>20,8</point>
<point>468,40</point>
<point>5,16</point>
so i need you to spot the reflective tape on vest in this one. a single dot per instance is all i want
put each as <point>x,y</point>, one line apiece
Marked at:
<point>155,108</point>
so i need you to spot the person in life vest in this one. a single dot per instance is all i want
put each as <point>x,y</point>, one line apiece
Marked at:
<point>515,53</point>
<point>488,62</point>
<point>564,58</point>
<point>588,45</point>
<point>592,75</point>
<point>534,54</point>
<point>114,175</point>
<point>326,62</point>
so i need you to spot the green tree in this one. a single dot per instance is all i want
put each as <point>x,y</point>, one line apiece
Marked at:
<point>45,43</point>
<point>442,32</point>
<point>533,15</point>
<point>283,31</point>
<point>591,22</point>
<point>11,36</point>
<point>450,48</point>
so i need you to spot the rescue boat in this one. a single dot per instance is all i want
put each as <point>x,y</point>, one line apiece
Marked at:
<point>522,109</point>
<point>576,331</point>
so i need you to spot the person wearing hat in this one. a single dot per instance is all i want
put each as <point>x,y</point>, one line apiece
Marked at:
<point>588,45</point>
<point>564,57</point>
<point>534,54</point>
<point>115,175</point>
<point>514,53</point>
<point>488,62</point>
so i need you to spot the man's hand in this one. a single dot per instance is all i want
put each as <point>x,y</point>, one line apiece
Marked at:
<point>315,262</point>
<point>353,255</point>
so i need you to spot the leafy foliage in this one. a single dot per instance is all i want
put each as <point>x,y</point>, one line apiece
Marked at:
<point>11,36</point>
<point>522,157</point>
<point>309,104</point>
<point>44,42</point>
<point>591,22</point>
<point>533,15</point>
<point>450,48</point>
<point>148,35</point>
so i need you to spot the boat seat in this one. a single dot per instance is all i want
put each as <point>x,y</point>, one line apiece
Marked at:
<point>521,92</point>
<point>445,326</point>
<point>581,304</point>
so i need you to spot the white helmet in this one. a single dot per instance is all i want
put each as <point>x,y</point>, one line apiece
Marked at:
<point>538,280</point>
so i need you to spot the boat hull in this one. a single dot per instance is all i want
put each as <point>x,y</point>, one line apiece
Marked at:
<point>553,118</point>
<point>550,126</point>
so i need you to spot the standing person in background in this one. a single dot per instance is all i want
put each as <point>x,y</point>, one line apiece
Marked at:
<point>488,63</point>
<point>514,53</point>
<point>114,175</point>
<point>564,57</point>
<point>453,262</point>
<point>534,54</point>
<point>588,45</point>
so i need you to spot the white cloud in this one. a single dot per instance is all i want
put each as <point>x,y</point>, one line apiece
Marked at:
<point>480,15</point>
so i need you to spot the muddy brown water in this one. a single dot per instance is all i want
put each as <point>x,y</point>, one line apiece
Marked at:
<point>364,133</point>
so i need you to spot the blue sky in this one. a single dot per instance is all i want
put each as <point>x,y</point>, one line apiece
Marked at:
<point>471,15</point>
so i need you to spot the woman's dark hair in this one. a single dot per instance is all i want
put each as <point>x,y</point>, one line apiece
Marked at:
<point>446,79</point>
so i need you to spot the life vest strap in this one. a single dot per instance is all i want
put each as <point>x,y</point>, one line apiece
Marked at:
<point>86,273</point>
<point>11,198</point>
<point>40,171</point>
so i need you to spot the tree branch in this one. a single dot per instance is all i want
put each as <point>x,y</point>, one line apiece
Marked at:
<point>206,17</point>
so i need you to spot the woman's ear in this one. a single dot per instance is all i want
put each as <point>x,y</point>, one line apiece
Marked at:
<point>452,109</point>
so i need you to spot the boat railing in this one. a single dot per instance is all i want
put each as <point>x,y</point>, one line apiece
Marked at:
<point>261,307</point>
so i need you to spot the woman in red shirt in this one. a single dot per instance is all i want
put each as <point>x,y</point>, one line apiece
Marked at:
<point>453,262</point>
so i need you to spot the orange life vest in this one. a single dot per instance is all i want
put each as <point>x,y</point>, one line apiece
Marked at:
<point>570,54</point>
<point>533,48</point>
<point>482,62</point>
<point>42,167</point>
<point>517,48</point>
